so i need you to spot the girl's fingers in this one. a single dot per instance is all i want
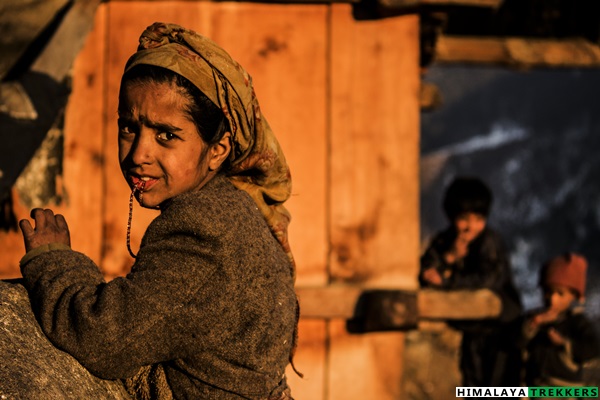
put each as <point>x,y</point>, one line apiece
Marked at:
<point>34,212</point>
<point>45,217</point>
<point>26,227</point>
<point>61,222</point>
<point>40,216</point>
<point>48,215</point>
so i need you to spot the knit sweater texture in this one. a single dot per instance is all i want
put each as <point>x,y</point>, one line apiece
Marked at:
<point>209,301</point>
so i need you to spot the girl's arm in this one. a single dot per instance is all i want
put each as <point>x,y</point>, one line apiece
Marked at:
<point>115,328</point>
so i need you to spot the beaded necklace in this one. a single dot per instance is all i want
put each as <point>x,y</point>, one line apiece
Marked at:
<point>138,188</point>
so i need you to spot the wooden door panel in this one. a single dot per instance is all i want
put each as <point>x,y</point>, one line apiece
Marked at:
<point>84,142</point>
<point>374,142</point>
<point>373,188</point>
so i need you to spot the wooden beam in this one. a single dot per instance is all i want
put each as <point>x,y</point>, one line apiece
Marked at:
<point>345,302</point>
<point>400,4</point>
<point>388,3</point>
<point>468,3</point>
<point>518,52</point>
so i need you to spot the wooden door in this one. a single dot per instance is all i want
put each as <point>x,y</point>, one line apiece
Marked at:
<point>342,97</point>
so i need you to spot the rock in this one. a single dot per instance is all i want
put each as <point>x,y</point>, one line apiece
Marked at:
<point>31,367</point>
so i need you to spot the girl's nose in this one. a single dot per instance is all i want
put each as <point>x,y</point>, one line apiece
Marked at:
<point>141,150</point>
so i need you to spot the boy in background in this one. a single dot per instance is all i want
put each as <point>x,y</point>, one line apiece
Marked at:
<point>560,339</point>
<point>470,255</point>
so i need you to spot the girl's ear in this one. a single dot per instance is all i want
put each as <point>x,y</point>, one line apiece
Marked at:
<point>219,152</point>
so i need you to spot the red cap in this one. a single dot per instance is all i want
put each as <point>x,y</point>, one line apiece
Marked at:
<point>568,270</point>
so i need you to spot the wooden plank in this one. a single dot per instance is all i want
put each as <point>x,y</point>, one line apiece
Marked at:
<point>458,304</point>
<point>341,302</point>
<point>467,3</point>
<point>374,186</point>
<point>518,52</point>
<point>256,1</point>
<point>84,141</point>
<point>311,360</point>
<point>375,147</point>
<point>364,366</point>
<point>328,301</point>
<point>410,4</point>
<point>394,3</point>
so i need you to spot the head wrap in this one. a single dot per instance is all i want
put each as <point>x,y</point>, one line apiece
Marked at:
<point>257,163</point>
<point>567,270</point>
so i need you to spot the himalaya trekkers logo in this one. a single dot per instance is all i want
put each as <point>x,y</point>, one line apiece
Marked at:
<point>531,392</point>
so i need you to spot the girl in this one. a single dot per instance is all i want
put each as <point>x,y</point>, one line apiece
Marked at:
<point>208,309</point>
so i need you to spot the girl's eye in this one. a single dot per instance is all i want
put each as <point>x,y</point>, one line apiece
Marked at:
<point>125,128</point>
<point>125,132</point>
<point>166,136</point>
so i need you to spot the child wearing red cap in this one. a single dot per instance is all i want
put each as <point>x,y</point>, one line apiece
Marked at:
<point>560,339</point>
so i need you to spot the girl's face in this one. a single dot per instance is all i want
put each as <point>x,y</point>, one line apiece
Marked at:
<point>469,225</point>
<point>159,144</point>
<point>559,298</point>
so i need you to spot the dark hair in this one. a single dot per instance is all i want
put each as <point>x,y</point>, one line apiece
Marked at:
<point>467,194</point>
<point>208,117</point>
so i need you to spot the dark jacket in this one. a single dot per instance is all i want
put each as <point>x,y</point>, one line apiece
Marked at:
<point>551,364</point>
<point>209,300</point>
<point>485,266</point>
<point>490,355</point>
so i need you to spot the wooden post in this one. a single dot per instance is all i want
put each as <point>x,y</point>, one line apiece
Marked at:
<point>373,188</point>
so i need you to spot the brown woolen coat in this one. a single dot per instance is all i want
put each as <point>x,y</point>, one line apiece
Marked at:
<point>209,302</point>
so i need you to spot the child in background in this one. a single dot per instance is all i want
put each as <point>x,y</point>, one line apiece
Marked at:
<point>560,339</point>
<point>470,255</point>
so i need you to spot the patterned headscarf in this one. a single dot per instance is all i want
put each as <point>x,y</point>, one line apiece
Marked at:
<point>257,162</point>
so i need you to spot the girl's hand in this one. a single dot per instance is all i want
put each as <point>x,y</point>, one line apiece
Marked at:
<point>556,337</point>
<point>459,250</point>
<point>49,228</point>
<point>432,276</point>
<point>546,317</point>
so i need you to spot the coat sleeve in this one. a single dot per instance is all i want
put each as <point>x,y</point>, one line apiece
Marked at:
<point>433,257</point>
<point>115,328</point>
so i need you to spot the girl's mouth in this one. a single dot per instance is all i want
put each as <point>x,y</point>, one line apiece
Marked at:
<point>142,183</point>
